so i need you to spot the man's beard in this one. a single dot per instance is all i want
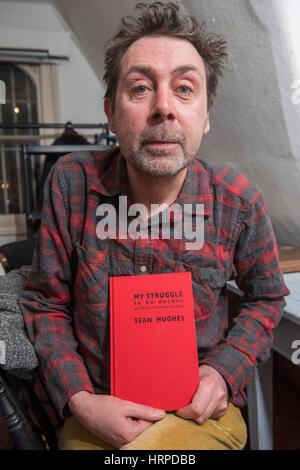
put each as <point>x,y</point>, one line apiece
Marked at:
<point>154,161</point>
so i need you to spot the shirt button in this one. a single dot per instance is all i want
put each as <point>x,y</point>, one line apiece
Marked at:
<point>143,268</point>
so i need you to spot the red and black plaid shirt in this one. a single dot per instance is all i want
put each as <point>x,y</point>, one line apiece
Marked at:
<point>66,304</point>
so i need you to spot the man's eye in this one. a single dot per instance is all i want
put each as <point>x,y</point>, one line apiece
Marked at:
<point>184,89</point>
<point>140,89</point>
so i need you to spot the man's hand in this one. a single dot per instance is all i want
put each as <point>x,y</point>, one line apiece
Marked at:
<point>113,420</point>
<point>210,399</point>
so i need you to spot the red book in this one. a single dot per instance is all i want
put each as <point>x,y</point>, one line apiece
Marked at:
<point>153,340</point>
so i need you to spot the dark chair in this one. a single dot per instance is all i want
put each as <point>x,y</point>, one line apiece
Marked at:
<point>16,254</point>
<point>27,422</point>
<point>25,407</point>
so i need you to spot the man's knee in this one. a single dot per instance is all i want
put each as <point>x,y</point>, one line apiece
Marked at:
<point>173,433</point>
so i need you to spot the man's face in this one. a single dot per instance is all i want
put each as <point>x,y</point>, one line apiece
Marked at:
<point>161,105</point>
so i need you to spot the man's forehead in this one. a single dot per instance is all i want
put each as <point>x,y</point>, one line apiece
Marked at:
<point>150,52</point>
<point>149,70</point>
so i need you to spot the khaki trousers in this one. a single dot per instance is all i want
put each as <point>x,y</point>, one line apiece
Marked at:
<point>171,433</point>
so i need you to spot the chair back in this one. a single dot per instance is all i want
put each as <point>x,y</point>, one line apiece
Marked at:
<point>16,254</point>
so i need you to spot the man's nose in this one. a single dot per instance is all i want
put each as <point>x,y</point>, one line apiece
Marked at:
<point>163,106</point>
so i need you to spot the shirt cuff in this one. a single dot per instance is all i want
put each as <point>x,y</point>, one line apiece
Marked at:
<point>62,384</point>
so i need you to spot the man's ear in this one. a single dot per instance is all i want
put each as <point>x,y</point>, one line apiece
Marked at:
<point>207,125</point>
<point>109,114</point>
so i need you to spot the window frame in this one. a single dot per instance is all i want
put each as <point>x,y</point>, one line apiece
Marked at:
<point>45,79</point>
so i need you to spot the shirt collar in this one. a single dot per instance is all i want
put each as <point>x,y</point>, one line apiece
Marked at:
<point>196,188</point>
<point>113,181</point>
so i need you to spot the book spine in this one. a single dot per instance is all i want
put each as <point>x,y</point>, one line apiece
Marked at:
<point>112,362</point>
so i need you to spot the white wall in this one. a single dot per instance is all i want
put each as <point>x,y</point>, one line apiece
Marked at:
<point>81,94</point>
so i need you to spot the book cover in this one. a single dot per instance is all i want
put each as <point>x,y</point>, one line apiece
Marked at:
<point>153,340</point>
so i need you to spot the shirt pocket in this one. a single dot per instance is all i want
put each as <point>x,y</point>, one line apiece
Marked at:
<point>92,277</point>
<point>207,283</point>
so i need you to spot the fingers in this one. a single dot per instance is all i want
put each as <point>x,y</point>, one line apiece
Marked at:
<point>211,412</point>
<point>142,412</point>
<point>209,401</point>
<point>140,418</point>
<point>196,411</point>
<point>131,429</point>
<point>219,414</point>
<point>139,425</point>
<point>201,402</point>
<point>200,415</point>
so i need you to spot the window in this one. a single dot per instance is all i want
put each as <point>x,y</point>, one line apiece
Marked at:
<point>21,108</point>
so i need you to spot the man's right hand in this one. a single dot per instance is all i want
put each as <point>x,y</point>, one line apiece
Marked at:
<point>113,420</point>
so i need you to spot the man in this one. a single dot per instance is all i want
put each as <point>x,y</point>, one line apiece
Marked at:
<point>161,73</point>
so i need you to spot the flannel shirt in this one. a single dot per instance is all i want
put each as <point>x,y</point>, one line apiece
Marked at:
<point>66,301</point>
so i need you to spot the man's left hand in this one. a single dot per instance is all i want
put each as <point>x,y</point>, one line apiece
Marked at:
<point>210,399</point>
